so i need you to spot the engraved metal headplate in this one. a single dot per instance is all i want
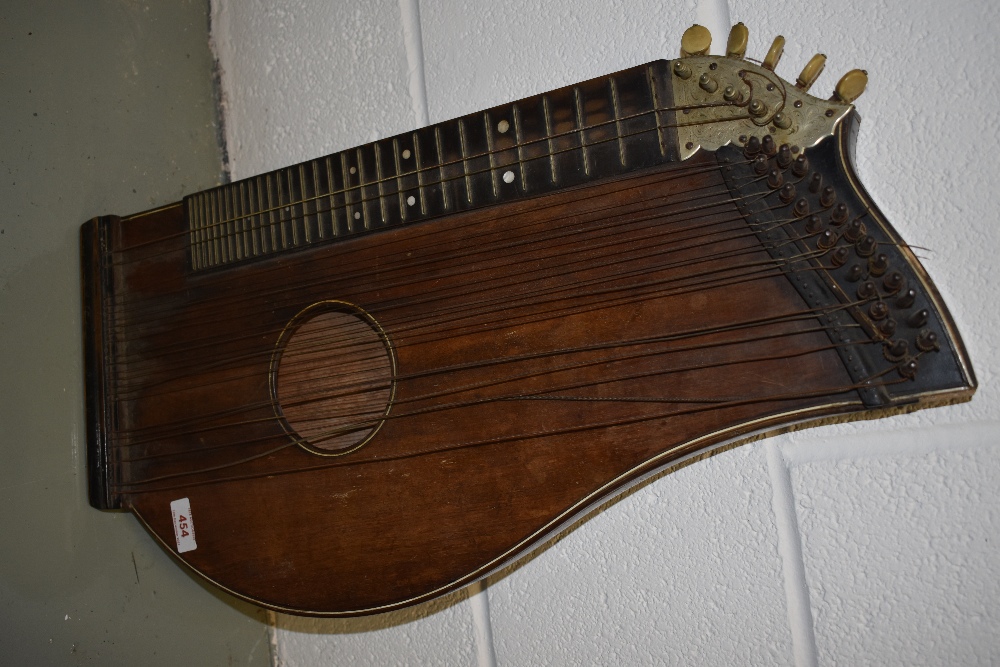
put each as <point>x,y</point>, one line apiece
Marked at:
<point>720,99</point>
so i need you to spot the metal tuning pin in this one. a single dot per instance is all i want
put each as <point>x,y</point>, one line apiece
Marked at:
<point>850,86</point>
<point>774,53</point>
<point>695,41</point>
<point>811,72</point>
<point>737,45</point>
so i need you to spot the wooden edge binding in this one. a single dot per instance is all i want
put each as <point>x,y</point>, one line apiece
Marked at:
<point>98,288</point>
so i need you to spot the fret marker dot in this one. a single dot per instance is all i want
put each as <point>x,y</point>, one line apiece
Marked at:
<point>508,177</point>
<point>357,216</point>
<point>406,154</point>
<point>411,200</point>
<point>503,126</point>
<point>353,170</point>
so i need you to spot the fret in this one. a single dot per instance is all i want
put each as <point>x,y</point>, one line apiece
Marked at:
<point>489,153</point>
<point>465,164</point>
<point>266,242</point>
<point>288,236</point>
<point>232,224</point>
<point>221,227</point>
<point>232,213</point>
<point>479,160</point>
<point>408,177</point>
<point>194,233</point>
<point>400,195</point>
<point>365,200</point>
<point>515,113</point>
<point>352,214</point>
<point>214,228</point>
<point>504,152</point>
<point>371,186</point>
<point>320,194</point>
<point>453,165</point>
<point>601,150</point>
<point>379,182</point>
<point>274,214</point>
<point>206,231</point>
<point>211,229</point>
<point>660,129</point>
<point>578,107</point>
<point>419,166</point>
<point>289,208</point>
<point>442,179</point>
<point>332,187</point>
<point>243,224</point>
<point>402,198</point>
<point>197,223</point>
<point>534,141</point>
<point>616,114</point>
<point>254,217</point>
<point>427,176</point>
<point>306,209</point>
<point>226,224</point>
<point>236,197</point>
<point>565,137</point>
<point>548,133</point>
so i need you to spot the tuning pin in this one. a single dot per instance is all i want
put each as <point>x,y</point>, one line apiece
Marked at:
<point>695,41</point>
<point>811,72</point>
<point>774,53</point>
<point>850,86</point>
<point>737,45</point>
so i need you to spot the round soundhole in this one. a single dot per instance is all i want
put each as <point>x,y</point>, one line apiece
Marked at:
<point>332,377</point>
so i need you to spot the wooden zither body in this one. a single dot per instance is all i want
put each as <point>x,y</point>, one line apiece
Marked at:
<point>358,383</point>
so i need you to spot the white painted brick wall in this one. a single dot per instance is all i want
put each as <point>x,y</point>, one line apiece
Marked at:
<point>865,543</point>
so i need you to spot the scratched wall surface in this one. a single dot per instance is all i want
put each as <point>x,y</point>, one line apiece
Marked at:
<point>870,542</point>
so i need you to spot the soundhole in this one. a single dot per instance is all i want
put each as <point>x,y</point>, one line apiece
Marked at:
<point>332,377</point>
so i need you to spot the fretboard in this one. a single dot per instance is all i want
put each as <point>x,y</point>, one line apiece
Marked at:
<point>589,131</point>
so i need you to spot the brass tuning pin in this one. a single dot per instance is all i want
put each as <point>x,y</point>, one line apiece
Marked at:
<point>811,72</point>
<point>774,53</point>
<point>850,86</point>
<point>737,45</point>
<point>695,41</point>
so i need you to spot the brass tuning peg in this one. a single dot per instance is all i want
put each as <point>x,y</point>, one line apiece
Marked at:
<point>695,41</point>
<point>850,86</point>
<point>737,45</point>
<point>811,72</point>
<point>774,53</point>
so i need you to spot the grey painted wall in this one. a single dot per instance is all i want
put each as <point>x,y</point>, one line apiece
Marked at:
<point>105,107</point>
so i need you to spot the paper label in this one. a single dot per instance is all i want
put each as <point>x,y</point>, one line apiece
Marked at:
<point>183,525</point>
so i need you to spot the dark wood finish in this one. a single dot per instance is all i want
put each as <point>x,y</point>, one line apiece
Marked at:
<point>546,349</point>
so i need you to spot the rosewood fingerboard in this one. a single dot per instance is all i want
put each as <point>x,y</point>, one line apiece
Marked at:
<point>597,129</point>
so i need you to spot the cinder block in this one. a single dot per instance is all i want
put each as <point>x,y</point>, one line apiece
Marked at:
<point>305,79</point>
<point>439,632</point>
<point>899,534</point>
<point>683,571</point>
<point>478,55</point>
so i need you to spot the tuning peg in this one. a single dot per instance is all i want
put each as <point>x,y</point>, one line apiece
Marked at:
<point>737,45</point>
<point>850,86</point>
<point>695,41</point>
<point>811,72</point>
<point>774,53</point>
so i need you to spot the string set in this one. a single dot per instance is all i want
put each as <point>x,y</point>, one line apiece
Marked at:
<point>559,263</point>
